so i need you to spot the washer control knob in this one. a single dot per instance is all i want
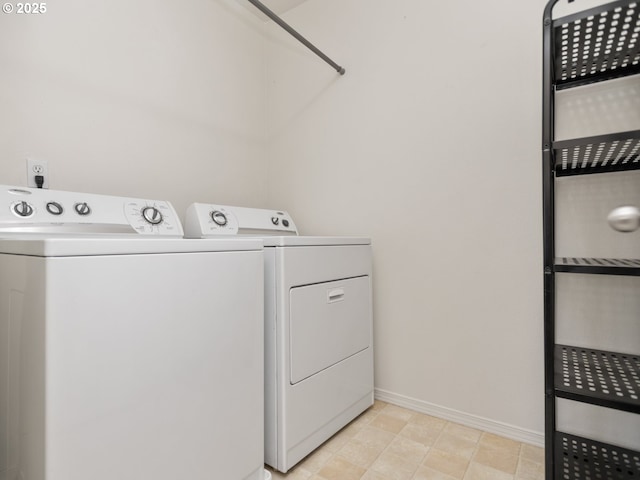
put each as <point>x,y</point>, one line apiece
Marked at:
<point>152,215</point>
<point>285,222</point>
<point>82,208</point>
<point>219,218</point>
<point>54,208</point>
<point>23,209</point>
<point>275,220</point>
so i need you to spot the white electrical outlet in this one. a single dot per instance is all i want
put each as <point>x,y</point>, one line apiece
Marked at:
<point>37,167</point>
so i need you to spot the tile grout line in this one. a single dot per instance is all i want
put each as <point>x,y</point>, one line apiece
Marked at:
<point>368,424</point>
<point>444,427</point>
<point>429,448</point>
<point>475,451</point>
<point>395,435</point>
<point>377,456</point>
<point>473,455</point>
<point>385,448</point>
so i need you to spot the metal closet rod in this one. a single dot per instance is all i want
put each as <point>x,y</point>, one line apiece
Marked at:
<point>260,6</point>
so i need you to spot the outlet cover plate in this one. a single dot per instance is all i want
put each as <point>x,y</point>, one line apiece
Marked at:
<point>37,167</point>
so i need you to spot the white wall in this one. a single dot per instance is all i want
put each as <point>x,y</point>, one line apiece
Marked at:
<point>152,98</point>
<point>430,144</point>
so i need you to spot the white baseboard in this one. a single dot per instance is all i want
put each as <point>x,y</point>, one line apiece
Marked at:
<point>474,421</point>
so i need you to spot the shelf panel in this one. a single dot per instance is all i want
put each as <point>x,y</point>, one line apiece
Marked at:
<point>599,266</point>
<point>600,154</point>
<point>598,377</point>
<point>597,44</point>
<point>580,459</point>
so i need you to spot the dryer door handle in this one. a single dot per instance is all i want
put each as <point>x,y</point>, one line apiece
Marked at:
<point>335,295</point>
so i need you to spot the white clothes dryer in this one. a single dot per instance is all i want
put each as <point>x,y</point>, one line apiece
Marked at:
<point>318,326</point>
<point>127,352</point>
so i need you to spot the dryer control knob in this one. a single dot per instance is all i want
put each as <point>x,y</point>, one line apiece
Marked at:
<point>219,218</point>
<point>275,220</point>
<point>152,215</point>
<point>23,209</point>
<point>82,208</point>
<point>54,208</point>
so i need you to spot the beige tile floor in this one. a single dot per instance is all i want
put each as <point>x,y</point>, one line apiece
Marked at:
<point>392,443</point>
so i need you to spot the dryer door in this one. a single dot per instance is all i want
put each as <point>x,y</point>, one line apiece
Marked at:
<point>328,323</point>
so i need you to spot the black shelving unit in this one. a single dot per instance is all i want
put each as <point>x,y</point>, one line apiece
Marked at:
<point>594,45</point>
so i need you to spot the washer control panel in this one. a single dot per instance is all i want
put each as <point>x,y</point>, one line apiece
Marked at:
<point>207,220</point>
<point>32,210</point>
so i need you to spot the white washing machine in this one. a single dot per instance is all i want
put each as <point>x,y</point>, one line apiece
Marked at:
<point>318,326</point>
<point>126,352</point>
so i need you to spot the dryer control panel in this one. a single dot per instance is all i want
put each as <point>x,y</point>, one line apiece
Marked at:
<point>32,210</point>
<point>208,220</point>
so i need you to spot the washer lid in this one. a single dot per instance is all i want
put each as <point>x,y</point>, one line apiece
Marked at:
<point>39,246</point>
<point>310,241</point>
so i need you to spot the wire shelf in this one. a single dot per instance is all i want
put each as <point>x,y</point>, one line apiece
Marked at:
<point>598,154</point>
<point>598,377</point>
<point>581,459</point>
<point>597,44</point>
<point>603,266</point>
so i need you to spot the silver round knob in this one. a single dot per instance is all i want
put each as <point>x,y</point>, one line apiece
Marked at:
<point>54,208</point>
<point>82,208</point>
<point>219,218</point>
<point>275,220</point>
<point>152,215</point>
<point>624,219</point>
<point>23,209</point>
